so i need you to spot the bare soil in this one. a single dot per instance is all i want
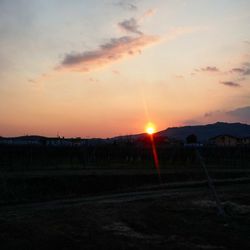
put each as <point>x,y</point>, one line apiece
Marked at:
<point>179,219</point>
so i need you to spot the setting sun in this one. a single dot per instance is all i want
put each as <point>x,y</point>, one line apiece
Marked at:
<point>150,129</point>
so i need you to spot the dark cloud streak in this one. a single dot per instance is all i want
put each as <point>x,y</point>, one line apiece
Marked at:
<point>115,49</point>
<point>127,5</point>
<point>230,83</point>
<point>210,69</point>
<point>130,25</point>
<point>245,70</point>
<point>237,70</point>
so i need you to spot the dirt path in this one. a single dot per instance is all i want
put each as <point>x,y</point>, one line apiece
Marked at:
<point>184,189</point>
<point>177,218</point>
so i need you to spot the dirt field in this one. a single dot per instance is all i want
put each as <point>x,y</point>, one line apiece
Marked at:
<point>36,186</point>
<point>175,219</point>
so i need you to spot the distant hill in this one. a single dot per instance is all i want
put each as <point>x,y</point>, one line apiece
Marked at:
<point>204,132</point>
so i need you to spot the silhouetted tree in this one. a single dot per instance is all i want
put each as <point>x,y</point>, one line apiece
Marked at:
<point>191,139</point>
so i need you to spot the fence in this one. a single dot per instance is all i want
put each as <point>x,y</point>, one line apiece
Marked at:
<point>32,157</point>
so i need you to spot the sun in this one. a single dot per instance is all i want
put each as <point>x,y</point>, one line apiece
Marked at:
<point>150,128</point>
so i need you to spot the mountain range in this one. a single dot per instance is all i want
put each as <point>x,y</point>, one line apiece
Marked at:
<point>204,132</point>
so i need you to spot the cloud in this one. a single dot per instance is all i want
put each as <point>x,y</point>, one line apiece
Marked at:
<point>130,26</point>
<point>210,69</point>
<point>240,113</point>
<point>127,5</point>
<point>245,70</point>
<point>230,83</point>
<point>242,71</point>
<point>114,50</point>
<point>237,70</point>
<point>117,48</point>
<point>247,64</point>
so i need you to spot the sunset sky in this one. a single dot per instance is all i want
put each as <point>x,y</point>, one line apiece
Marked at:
<point>104,68</point>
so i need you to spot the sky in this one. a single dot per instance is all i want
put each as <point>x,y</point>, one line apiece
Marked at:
<point>93,68</point>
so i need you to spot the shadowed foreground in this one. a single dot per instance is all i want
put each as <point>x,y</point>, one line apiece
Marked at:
<point>184,219</point>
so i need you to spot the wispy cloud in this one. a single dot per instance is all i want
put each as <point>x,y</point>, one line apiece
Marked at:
<point>210,69</point>
<point>114,50</point>
<point>117,48</point>
<point>237,70</point>
<point>130,26</point>
<point>230,83</point>
<point>247,64</point>
<point>240,113</point>
<point>239,74</point>
<point>244,70</point>
<point>127,5</point>
<point>247,72</point>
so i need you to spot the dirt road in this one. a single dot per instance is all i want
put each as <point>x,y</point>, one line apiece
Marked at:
<point>182,218</point>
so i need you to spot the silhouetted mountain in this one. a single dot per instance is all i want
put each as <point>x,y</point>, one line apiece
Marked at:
<point>204,132</point>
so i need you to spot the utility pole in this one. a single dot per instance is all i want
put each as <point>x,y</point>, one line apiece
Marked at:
<point>211,186</point>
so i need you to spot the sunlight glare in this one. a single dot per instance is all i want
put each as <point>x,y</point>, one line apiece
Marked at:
<point>150,129</point>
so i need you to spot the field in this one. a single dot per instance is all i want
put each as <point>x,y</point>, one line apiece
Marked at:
<point>123,204</point>
<point>183,218</point>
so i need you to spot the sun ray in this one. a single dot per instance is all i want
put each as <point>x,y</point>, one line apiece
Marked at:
<point>150,129</point>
